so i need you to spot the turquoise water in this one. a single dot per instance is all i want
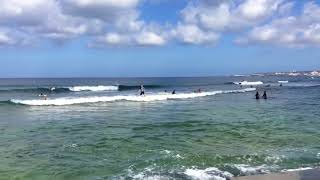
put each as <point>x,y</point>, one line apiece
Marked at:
<point>185,137</point>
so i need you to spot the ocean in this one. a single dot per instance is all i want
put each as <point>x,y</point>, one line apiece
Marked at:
<point>100,128</point>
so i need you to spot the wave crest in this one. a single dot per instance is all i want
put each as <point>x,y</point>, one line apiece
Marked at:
<point>248,83</point>
<point>147,98</point>
<point>93,88</point>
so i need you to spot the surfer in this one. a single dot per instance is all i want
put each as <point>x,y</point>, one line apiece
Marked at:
<point>257,95</point>
<point>44,96</point>
<point>264,96</point>
<point>174,92</point>
<point>198,90</point>
<point>141,90</point>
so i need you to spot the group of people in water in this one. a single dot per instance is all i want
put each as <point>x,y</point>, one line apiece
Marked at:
<point>142,93</point>
<point>264,96</point>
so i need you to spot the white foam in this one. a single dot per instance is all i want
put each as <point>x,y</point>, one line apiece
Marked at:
<point>211,173</point>
<point>251,170</point>
<point>283,82</point>
<point>248,83</point>
<point>298,169</point>
<point>93,88</point>
<point>147,98</point>
<point>240,75</point>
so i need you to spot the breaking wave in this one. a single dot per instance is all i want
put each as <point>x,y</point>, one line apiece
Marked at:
<point>136,87</point>
<point>78,88</point>
<point>93,88</point>
<point>248,83</point>
<point>147,98</point>
<point>207,174</point>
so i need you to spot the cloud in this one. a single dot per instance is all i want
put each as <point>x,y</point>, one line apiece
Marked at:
<point>230,15</point>
<point>149,38</point>
<point>292,31</point>
<point>257,9</point>
<point>109,11</point>
<point>192,34</point>
<point>10,37</point>
<point>30,12</point>
<point>120,23</point>
<point>5,39</point>
<point>145,38</point>
<point>206,20</point>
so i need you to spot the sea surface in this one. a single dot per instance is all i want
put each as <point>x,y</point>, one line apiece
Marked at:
<point>100,128</point>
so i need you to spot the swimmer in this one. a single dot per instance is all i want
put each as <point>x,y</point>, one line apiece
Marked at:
<point>174,92</point>
<point>264,96</point>
<point>257,95</point>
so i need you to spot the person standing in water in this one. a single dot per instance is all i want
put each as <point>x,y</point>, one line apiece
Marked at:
<point>257,95</point>
<point>141,90</point>
<point>264,96</point>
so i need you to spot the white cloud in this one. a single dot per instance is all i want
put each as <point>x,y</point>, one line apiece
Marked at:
<point>230,15</point>
<point>215,17</point>
<point>119,23</point>
<point>257,9</point>
<point>113,39</point>
<point>205,20</point>
<point>66,19</point>
<point>150,38</point>
<point>293,31</point>
<point>25,12</point>
<point>107,10</point>
<point>192,34</point>
<point>5,39</point>
<point>10,37</point>
<point>145,38</point>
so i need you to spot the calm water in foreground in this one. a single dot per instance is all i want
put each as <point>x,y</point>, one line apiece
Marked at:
<point>86,131</point>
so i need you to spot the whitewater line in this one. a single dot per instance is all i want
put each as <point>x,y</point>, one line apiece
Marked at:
<point>135,98</point>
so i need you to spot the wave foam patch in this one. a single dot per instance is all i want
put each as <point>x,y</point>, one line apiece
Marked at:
<point>298,169</point>
<point>248,83</point>
<point>94,88</point>
<point>246,170</point>
<point>208,173</point>
<point>283,82</point>
<point>147,98</point>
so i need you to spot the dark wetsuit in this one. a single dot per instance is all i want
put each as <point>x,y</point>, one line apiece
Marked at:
<point>257,95</point>
<point>264,96</point>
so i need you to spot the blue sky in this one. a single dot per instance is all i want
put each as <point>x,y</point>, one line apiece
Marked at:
<point>112,38</point>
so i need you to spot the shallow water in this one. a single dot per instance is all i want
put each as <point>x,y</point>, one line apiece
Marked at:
<point>206,137</point>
